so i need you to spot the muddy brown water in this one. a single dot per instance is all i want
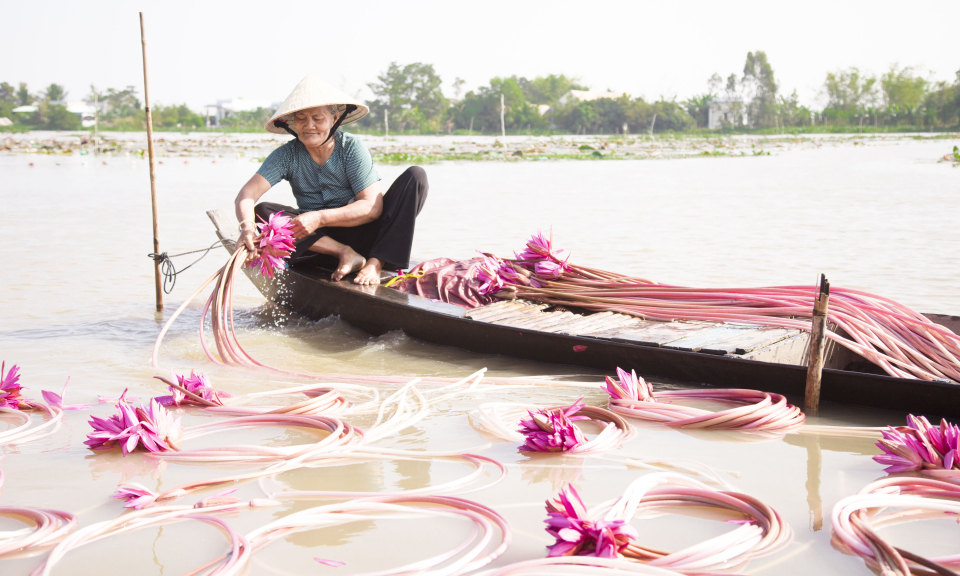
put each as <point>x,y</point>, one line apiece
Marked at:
<point>78,301</point>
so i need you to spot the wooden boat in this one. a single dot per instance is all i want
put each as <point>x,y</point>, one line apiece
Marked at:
<point>722,355</point>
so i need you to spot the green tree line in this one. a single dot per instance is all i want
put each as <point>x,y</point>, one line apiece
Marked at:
<point>410,98</point>
<point>119,109</point>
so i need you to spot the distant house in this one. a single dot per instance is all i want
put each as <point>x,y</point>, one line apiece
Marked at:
<point>588,96</point>
<point>6,121</point>
<point>84,110</point>
<point>725,111</point>
<point>226,108</point>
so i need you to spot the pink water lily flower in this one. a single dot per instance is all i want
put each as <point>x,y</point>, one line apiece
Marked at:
<point>553,430</point>
<point>489,276</point>
<point>218,499</point>
<point>135,495</point>
<point>196,383</point>
<point>629,387</point>
<point>919,446</point>
<point>276,243</point>
<point>10,388</point>
<point>577,535</point>
<point>540,248</point>
<point>148,426</point>
<point>550,270</point>
<point>54,399</point>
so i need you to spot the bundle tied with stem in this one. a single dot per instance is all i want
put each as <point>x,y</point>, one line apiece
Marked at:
<point>632,396</point>
<point>604,531</point>
<point>890,501</point>
<point>901,341</point>
<point>274,244</point>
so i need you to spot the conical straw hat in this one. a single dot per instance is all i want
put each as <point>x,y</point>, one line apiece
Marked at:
<point>312,92</point>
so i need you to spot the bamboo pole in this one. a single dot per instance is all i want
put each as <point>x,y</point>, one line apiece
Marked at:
<point>153,173</point>
<point>818,330</point>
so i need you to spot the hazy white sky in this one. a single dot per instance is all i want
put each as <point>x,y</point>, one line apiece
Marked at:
<point>203,51</point>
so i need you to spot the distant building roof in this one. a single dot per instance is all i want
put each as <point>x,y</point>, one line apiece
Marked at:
<point>587,95</point>
<point>543,109</point>
<point>76,106</point>
<point>25,109</point>
<point>6,121</point>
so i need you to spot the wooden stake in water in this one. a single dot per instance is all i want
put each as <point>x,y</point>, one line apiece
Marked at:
<point>153,173</point>
<point>815,355</point>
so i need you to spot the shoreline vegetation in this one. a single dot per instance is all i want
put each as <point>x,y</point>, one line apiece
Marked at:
<point>408,99</point>
<point>426,149</point>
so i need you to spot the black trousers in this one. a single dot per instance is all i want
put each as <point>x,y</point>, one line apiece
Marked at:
<point>388,238</point>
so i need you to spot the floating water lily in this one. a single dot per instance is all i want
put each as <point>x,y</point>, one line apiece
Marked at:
<point>135,495</point>
<point>553,430</point>
<point>604,531</point>
<point>148,426</point>
<point>629,386</point>
<point>193,389</point>
<point>921,446</point>
<point>631,395</point>
<point>57,400</point>
<point>578,535</point>
<point>276,243</point>
<point>10,388</point>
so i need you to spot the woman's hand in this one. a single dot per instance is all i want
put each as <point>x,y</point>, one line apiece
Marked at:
<point>306,224</point>
<point>247,236</point>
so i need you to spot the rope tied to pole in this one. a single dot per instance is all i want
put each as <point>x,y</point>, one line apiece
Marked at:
<point>169,271</point>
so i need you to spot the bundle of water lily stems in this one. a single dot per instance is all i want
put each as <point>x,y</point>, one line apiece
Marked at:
<point>901,341</point>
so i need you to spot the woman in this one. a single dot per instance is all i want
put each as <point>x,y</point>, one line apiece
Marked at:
<point>342,221</point>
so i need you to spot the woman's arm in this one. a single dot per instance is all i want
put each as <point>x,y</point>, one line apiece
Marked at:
<point>367,208</point>
<point>256,187</point>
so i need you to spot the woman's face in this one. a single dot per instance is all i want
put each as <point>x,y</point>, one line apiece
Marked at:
<point>313,125</point>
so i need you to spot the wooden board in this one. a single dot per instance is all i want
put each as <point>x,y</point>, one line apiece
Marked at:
<point>704,338</point>
<point>750,340</point>
<point>660,333</point>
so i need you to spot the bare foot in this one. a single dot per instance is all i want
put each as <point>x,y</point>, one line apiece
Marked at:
<point>369,275</point>
<point>350,261</point>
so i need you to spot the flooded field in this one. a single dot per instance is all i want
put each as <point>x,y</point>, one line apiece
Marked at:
<point>78,301</point>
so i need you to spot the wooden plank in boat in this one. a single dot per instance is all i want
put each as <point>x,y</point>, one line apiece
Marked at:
<point>660,333</point>
<point>503,312</point>
<point>515,314</point>
<point>548,320</point>
<point>530,321</point>
<point>577,324</point>
<point>611,333</point>
<point>618,321</point>
<point>750,340</point>
<point>482,310</point>
<point>697,342</point>
<point>613,321</point>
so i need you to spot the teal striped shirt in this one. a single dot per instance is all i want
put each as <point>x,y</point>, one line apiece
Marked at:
<point>336,183</point>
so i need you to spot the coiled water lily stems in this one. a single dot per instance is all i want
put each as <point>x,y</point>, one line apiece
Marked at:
<point>857,519</point>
